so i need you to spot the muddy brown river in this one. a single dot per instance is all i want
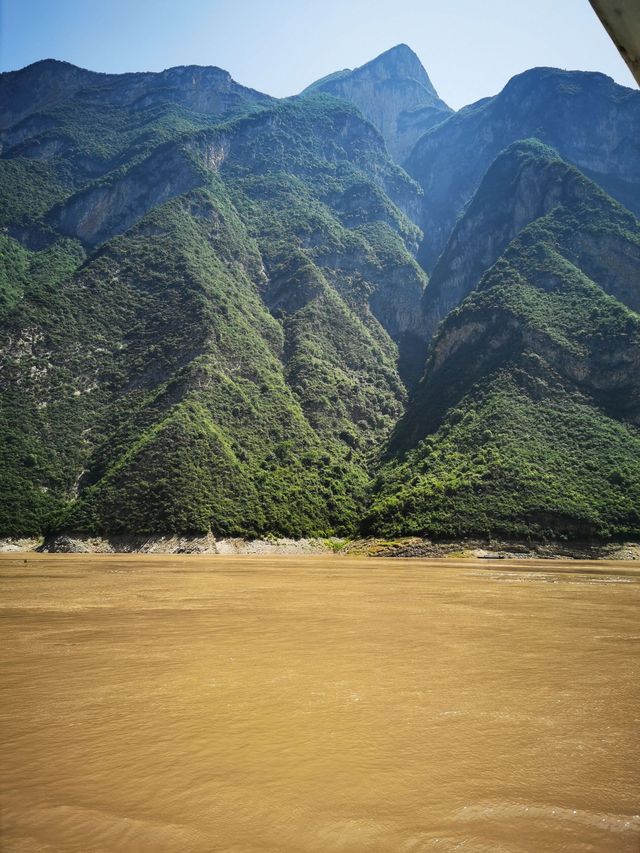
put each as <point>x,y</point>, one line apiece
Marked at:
<point>318,704</point>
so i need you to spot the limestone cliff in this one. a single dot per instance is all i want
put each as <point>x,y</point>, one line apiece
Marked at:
<point>395,93</point>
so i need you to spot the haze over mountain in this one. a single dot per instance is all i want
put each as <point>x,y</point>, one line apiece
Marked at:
<point>216,313</point>
<point>591,121</point>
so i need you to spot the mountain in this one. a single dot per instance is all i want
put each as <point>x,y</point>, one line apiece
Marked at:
<point>48,83</point>
<point>526,420</point>
<point>525,182</point>
<point>395,93</point>
<point>591,121</point>
<point>200,317</point>
<point>213,315</point>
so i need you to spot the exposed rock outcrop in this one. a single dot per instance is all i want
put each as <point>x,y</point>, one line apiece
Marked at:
<point>100,212</point>
<point>395,93</point>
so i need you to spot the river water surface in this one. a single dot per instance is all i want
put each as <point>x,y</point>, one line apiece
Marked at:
<point>318,704</point>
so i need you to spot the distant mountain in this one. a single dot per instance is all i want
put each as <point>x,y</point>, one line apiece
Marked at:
<point>591,121</point>
<point>395,93</point>
<point>47,83</point>
<point>212,313</point>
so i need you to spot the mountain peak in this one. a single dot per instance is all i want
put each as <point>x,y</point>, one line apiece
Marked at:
<point>543,79</point>
<point>399,62</point>
<point>394,92</point>
<point>399,52</point>
<point>401,48</point>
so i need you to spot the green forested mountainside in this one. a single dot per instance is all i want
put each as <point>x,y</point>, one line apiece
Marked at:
<point>525,182</point>
<point>526,421</point>
<point>570,277</point>
<point>520,455</point>
<point>212,318</point>
<point>220,364</point>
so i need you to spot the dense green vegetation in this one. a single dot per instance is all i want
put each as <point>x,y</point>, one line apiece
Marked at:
<point>151,388</point>
<point>208,322</point>
<point>526,420</point>
<point>519,456</point>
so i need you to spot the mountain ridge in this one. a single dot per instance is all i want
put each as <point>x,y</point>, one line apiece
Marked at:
<point>535,180</point>
<point>591,120</point>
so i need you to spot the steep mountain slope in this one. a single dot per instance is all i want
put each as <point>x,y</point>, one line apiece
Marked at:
<point>591,121</point>
<point>193,325</point>
<point>79,130</point>
<point>395,93</point>
<point>525,182</point>
<point>526,420</point>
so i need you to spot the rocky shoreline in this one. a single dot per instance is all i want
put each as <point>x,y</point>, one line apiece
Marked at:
<point>515,550</point>
<point>79,543</point>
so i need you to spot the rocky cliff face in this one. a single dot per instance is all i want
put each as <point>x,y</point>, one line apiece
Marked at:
<point>111,203</point>
<point>108,208</point>
<point>591,121</point>
<point>394,92</point>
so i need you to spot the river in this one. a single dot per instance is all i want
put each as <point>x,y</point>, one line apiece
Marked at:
<point>168,704</point>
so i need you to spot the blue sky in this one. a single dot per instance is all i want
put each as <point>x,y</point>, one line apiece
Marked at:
<point>470,48</point>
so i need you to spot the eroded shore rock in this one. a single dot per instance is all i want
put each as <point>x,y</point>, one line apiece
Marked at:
<point>496,550</point>
<point>80,543</point>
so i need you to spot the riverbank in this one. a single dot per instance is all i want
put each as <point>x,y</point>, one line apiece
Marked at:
<point>403,547</point>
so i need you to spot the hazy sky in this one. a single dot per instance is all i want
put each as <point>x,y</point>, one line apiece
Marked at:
<point>470,48</point>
